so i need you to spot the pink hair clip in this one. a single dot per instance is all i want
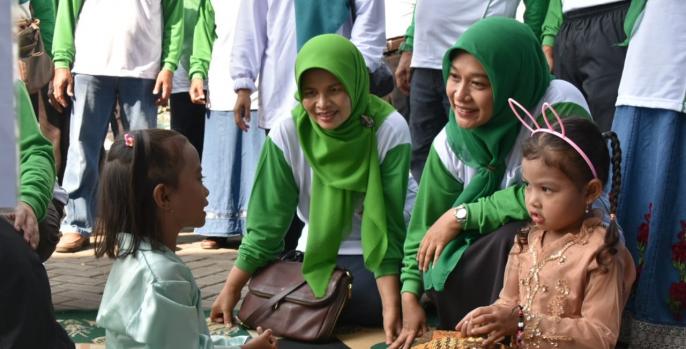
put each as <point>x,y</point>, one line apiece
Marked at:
<point>128,140</point>
<point>514,105</point>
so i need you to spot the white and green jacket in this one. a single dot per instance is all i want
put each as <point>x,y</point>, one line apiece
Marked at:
<point>283,186</point>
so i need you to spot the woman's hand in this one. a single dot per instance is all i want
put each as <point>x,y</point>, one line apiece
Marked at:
<point>444,230</point>
<point>241,110</point>
<point>63,86</point>
<point>197,91</point>
<point>549,56</point>
<point>25,221</point>
<point>494,321</point>
<point>163,87</point>
<point>414,322</point>
<point>222,308</point>
<point>389,290</point>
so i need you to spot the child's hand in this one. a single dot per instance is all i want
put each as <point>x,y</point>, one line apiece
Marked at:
<point>264,341</point>
<point>494,321</point>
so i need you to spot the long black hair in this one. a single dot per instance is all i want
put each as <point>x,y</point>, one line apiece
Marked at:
<point>557,153</point>
<point>136,163</point>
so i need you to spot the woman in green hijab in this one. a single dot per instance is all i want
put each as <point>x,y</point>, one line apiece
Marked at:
<point>448,251</point>
<point>342,163</point>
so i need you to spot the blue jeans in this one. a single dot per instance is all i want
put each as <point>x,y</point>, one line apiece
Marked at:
<point>93,104</point>
<point>229,162</point>
<point>429,109</point>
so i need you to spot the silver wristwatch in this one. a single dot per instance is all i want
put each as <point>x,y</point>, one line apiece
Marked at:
<point>461,214</point>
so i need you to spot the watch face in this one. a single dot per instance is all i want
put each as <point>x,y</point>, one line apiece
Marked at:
<point>461,213</point>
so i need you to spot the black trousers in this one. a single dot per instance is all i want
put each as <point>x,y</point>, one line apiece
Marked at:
<point>188,119</point>
<point>477,279</point>
<point>49,230</point>
<point>54,126</point>
<point>364,307</point>
<point>587,55</point>
<point>27,319</point>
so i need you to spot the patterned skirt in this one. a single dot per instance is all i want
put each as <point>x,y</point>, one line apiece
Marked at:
<point>652,212</point>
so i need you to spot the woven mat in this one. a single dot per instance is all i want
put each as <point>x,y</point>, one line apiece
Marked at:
<point>80,325</point>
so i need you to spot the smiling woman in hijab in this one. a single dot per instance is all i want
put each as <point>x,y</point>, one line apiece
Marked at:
<point>455,249</point>
<point>341,162</point>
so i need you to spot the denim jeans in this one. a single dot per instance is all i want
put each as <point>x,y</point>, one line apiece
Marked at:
<point>429,109</point>
<point>228,164</point>
<point>93,104</point>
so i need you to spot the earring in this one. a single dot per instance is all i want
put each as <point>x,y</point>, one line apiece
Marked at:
<point>588,209</point>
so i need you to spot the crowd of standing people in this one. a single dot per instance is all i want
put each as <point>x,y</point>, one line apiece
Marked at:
<point>531,189</point>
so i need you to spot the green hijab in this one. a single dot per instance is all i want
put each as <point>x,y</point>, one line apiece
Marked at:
<point>344,162</point>
<point>516,68</point>
<point>314,17</point>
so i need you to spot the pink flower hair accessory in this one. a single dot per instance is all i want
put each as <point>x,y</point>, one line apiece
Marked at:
<point>128,140</point>
<point>515,106</point>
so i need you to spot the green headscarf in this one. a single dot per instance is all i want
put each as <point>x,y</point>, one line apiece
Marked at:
<point>344,162</point>
<point>315,17</point>
<point>516,68</point>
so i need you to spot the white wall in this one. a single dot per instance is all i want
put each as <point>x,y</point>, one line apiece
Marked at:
<point>8,131</point>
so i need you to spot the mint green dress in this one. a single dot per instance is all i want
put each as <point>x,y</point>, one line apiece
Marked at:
<point>151,300</point>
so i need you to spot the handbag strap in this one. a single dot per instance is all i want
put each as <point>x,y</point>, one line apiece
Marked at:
<point>264,308</point>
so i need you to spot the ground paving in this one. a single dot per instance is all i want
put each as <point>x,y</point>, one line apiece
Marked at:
<point>78,279</point>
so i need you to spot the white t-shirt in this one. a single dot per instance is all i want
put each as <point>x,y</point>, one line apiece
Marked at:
<point>655,68</point>
<point>571,5</point>
<point>439,23</point>
<point>119,38</point>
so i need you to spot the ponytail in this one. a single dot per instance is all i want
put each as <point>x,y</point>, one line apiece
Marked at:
<point>609,247</point>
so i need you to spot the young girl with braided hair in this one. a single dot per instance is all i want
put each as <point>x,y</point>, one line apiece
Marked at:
<point>568,276</point>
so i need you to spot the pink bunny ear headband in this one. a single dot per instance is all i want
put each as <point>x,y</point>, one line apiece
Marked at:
<point>514,105</point>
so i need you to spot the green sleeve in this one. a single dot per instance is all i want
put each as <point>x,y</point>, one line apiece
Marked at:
<point>408,44</point>
<point>203,39</point>
<point>44,10</point>
<point>63,39</point>
<point>491,212</point>
<point>552,23</point>
<point>394,176</point>
<point>437,192</point>
<point>273,202</point>
<point>172,36</point>
<point>534,14</point>
<point>36,159</point>
<point>190,18</point>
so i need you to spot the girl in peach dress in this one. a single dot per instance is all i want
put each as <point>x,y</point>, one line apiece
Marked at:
<point>568,276</point>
